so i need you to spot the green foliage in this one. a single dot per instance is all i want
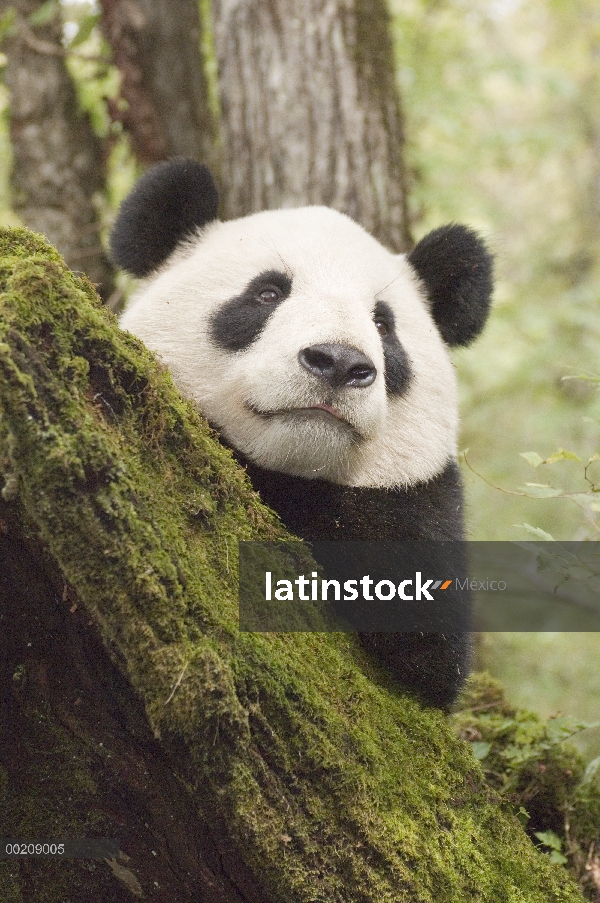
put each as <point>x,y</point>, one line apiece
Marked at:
<point>528,759</point>
<point>86,26</point>
<point>6,215</point>
<point>549,672</point>
<point>44,14</point>
<point>96,79</point>
<point>501,102</point>
<point>7,23</point>
<point>585,495</point>
<point>555,844</point>
<point>97,82</point>
<point>209,54</point>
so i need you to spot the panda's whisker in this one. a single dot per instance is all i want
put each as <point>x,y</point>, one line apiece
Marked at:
<point>288,268</point>
<point>273,247</point>
<point>385,287</point>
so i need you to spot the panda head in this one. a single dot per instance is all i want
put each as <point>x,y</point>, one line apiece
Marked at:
<point>313,349</point>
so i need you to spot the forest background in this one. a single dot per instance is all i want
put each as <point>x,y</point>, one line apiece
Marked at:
<point>502,109</point>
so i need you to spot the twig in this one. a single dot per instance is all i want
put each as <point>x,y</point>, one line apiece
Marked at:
<point>177,682</point>
<point>487,705</point>
<point>47,48</point>
<point>493,486</point>
<point>563,495</point>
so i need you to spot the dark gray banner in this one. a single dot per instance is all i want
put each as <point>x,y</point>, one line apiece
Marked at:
<point>406,587</point>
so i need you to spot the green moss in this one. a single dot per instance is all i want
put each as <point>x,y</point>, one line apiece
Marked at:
<point>529,760</point>
<point>333,785</point>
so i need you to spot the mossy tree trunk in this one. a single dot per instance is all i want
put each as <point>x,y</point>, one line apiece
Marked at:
<point>231,767</point>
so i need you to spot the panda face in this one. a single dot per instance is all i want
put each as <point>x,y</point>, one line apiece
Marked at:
<point>309,346</point>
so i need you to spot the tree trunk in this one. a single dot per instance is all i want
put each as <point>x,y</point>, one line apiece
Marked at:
<point>156,45</point>
<point>58,165</point>
<point>231,767</point>
<point>310,110</point>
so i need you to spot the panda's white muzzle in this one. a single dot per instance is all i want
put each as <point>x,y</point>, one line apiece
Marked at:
<point>334,372</point>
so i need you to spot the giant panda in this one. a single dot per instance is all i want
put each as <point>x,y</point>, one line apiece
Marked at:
<point>322,359</point>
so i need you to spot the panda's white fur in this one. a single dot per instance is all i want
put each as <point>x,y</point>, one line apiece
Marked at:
<point>258,397</point>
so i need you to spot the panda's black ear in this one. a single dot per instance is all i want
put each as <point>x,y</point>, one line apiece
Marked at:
<point>456,270</point>
<point>166,205</point>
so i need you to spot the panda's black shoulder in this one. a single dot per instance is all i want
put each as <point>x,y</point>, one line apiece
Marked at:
<point>319,510</point>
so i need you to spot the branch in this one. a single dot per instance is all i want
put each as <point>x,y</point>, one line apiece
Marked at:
<point>569,496</point>
<point>47,48</point>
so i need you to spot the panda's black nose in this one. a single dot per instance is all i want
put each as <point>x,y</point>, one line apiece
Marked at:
<point>338,365</point>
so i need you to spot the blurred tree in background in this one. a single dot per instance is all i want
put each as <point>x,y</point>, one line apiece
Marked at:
<point>58,166</point>
<point>305,107</point>
<point>159,48</point>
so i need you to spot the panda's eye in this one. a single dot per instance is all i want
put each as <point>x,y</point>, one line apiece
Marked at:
<point>381,327</point>
<point>269,295</point>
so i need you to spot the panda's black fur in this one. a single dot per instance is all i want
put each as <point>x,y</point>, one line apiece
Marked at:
<point>348,429</point>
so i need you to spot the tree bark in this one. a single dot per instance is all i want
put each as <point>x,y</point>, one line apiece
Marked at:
<point>310,110</point>
<point>58,163</point>
<point>232,767</point>
<point>156,45</point>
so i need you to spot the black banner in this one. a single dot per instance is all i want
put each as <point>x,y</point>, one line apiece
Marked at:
<point>432,587</point>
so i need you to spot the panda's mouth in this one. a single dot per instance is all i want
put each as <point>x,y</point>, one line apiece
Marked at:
<point>327,408</point>
<point>323,407</point>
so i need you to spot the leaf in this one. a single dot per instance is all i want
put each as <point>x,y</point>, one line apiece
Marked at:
<point>583,498</point>
<point>535,531</point>
<point>549,839</point>
<point>590,772</point>
<point>125,876</point>
<point>86,27</point>
<point>8,21</point>
<point>44,14</point>
<point>540,490</point>
<point>587,377</point>
<point>562,454</point>
<point>480,749</point>
<point>557,857</point>
<point>595,457</point>
<point>532,458</point>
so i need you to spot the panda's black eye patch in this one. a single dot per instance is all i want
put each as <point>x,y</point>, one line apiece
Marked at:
<point>240,321</point>
<point>398,372</point>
